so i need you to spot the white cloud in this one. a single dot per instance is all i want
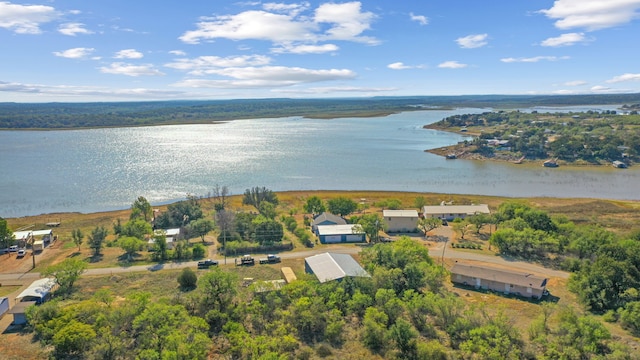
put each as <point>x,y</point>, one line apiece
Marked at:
<point>564,40</point>
<point>624,77</point>
<point>421,19</point>
<point>600,88</point>
<point>25,19</point>
<point>472,41</point>
<point>534,59</point>
<point>401,66</point>
<point>304,49</point>
<point>72,29</point>
<point>267,76</point>
<point>75,53</point>
<point>347,23</point>
<point>575,83</point>
<point>592,14</point>
<point>291,9</point>
<point>204,64</point>
<point>128,54</point>
<point>84,91</point>
<point>334,89</point>
<point>452,65</point>
<point>178,53</point>
<point>119,68</point>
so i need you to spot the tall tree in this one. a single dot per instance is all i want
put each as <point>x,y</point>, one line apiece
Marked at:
<point>6,235</point>
<point>78,237</point>
<point>479,220</point>
<point>130,245</point>
<point>137,228</point>
<point>342,206</point>
<point>141,208</point>
<point>201,227</point>
<point>66,272</point>
<point>257,195</point>
<point>220,197</point>
<point>372,224</point>
<point>427,224</point>
<point>314,205</point>
<point>96,239</point>
<point>268,232</point>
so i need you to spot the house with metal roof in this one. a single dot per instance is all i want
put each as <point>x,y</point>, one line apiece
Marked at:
<point>401,220</point>
<point>332,266</point>
<point>450,212</point>
<point>326,219</point>
<point>506,281</point>
<point>348,233</point>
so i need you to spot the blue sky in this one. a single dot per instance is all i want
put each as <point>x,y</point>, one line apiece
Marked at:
<point>78,50</point>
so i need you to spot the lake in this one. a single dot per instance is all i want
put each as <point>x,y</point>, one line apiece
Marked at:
<point>107,169</point>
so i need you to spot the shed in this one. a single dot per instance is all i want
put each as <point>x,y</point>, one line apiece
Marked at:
<point>341,233</point>
<point>170,235</point>
<point>19,312</point>
<point>326,219</point>
<point>401,220</point>
<point>39,291</point>
<point>450,212</point>
<point>4,306</point>
<point>332,266</point>
<point>506,281</point>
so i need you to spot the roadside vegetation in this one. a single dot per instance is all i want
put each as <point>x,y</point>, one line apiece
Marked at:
<point>589,138</point>
<point>407,309</point>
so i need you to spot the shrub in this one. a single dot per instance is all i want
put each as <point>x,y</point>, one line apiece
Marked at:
<point>187,279</point>
<point>198,251</point>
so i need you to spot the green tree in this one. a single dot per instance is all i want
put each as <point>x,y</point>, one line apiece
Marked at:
<point>72,339</point>
<point>341,206</point>
<point>268,210</point>
<point>372,224</point>
<point>419,202</point>
<point>462,227</point>
<point>256,195</point>
<point>374,334</point>
<point>130,245</point>
<point>187,279</point>
<point>78,237</point>
<point>137,228</point>
<point>141,209</point>
<point>160,247</point>
<point>66,272</point>
<point>630,317</point>
<point>405,338</point>
<point>491,342</point>
<point>314,205</point>
<point>479,220</point>
<point>201,227</point>
<point>218,289</point>
<point>96,239</point>
<point>6,235</point>
<point>427,224</point>
<point>268,232</point>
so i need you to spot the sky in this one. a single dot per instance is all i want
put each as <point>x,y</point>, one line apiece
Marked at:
<point>137,50</point>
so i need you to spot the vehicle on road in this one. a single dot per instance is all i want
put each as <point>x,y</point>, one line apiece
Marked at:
<point>245,260</point>
<point>270,259</point>
<point>13,248</point>
<point>22,253</point>
<point>205,264</point>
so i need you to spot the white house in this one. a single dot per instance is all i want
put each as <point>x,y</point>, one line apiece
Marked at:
<point>170,235</point>
<point>400,220</point>
<point>450,212</point>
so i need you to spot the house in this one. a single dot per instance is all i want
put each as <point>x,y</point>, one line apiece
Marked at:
<point>505,281</point>
<point>326,219</point>
<point>332,266</point>
<point>341,233</point>
<point>450,212</point>
<point>401,220</point>
<point>170,235</point>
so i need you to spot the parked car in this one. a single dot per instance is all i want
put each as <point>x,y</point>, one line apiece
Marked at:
<point>22,253</point>
<point>270,259</point>
<point>13,248</point>
<point>245,260</point>
<point>205,264</point>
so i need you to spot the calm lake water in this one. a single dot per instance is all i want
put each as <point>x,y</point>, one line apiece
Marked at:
<point>106,169</point>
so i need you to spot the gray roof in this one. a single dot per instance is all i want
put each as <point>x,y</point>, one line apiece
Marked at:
<point>325,216</point>
<point>332,266</point>
<point>499,275</point>
<point>400,213</point>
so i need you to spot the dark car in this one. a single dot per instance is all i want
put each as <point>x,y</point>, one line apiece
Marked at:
<point>205,264</point>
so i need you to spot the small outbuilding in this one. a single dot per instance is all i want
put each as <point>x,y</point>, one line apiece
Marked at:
<point>326,219</point>
<point>170,235</point>
<point>19,312</point>
<point>500,280</point>
<point>288,274</point>
<point>450,212</point>
<point>349,233</point>
<point>39,291</point>
<point>401,220</point>
<point>332,266</point>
